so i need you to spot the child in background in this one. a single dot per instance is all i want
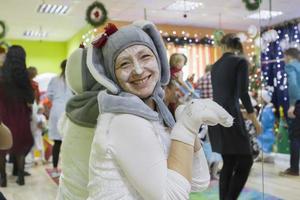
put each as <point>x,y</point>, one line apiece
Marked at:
<point>177,62</point>
<point>266,140</point>
<point>213,159</point>
<point>38,127</point>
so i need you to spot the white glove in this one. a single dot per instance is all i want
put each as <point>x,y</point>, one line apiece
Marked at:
<point>197,112</point>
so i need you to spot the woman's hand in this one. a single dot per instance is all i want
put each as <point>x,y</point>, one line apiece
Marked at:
<point>197,112</point>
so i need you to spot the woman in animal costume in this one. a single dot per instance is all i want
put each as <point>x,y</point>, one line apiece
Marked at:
<point>138,151</point>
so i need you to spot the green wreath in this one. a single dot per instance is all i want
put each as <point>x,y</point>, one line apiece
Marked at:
<point>2,29</point>
<point>252,6</point>
<point>96,14</point>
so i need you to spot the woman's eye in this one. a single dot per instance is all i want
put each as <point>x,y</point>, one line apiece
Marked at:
<point>146,56</point>
<point>124,64</point>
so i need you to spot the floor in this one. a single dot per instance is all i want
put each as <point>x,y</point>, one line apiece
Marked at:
<point>287,188</point>
<point>40,186</point>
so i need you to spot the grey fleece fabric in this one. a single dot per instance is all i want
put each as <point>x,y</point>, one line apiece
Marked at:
<point>81,109</point>
<point>131,104</point>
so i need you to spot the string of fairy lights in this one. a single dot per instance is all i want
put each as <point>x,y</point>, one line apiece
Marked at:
<point>178,38</point>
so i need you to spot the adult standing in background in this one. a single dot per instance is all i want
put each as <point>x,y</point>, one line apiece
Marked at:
<point>229,77</point>
<point>59,93</point>
<point>204,84</point>
<point>292,68</point>
<point>15,105</point>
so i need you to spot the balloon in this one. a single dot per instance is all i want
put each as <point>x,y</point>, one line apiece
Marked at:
<point>284,44</point>
<point>218,34</point>
<point>252,31</point>
<point>242,36</point>
<point>257,41</point>
<point>270,35</point>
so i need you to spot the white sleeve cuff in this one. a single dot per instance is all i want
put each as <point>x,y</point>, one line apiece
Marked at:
<point>178,187</point>
<point>200,173</point>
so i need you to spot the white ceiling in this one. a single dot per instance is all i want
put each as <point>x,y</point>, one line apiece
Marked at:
<point>21,15</point>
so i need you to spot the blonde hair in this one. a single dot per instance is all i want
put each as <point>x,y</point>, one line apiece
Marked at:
<point>176,57</point>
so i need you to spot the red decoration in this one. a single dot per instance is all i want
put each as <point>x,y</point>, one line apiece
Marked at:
<point>109,30</point>
<point>97,14</point>
<point>81,46</point>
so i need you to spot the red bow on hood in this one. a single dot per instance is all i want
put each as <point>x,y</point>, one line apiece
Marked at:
<point>109,30</point>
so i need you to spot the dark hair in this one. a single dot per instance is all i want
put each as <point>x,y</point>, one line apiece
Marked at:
<point>231,41</point>
<point>15,75</point>
<point>2,50</point>
<point>208,68</point>
<point>63,65</point>
<point>32,72</point>
<point>293,52</point>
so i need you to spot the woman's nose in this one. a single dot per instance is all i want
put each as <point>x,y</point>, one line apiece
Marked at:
<point>138,68</point>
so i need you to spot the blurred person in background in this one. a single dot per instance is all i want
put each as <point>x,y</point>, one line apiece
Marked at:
<point>204,84</point>
<point>229,76</point>
<point>59,93</point>
<point>292,69</point>
<point>32,73</point>
<point>15,104</point>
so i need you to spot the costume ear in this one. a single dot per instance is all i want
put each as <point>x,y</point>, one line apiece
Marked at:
<point>94,62</point>
<point>151,30</point>
<point>73,71</point>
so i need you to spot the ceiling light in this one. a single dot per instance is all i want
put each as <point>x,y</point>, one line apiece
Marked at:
<point>181,5</point>
<point>265,14</point>
<point>53,9</point>
<point>37,34</point>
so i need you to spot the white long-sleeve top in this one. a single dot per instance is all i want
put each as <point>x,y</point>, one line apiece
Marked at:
<point>59,93</point>
<point>128,161</point>
<point>75,153</point>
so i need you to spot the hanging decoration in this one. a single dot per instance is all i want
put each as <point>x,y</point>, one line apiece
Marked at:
<point>96,14</point>
<point>252,31</point>
<point>243,37</point>
<point>254,5</point>
<point>2,29</point>
<point>270,36</point>
<point>284,44</point>
<point>218,35</point>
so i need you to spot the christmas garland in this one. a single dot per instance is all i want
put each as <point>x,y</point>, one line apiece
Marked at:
<point>96,14</point>
<point>2,29</point>
<point>252,6</point>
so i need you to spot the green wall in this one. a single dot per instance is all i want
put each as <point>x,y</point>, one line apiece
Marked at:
<point>45,56</point>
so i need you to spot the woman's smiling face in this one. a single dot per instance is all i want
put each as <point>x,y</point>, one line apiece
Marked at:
<point>137,70</point>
